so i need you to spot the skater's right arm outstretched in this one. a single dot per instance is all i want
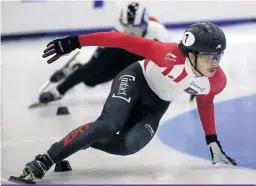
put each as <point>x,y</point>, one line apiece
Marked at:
<point>147,48</point>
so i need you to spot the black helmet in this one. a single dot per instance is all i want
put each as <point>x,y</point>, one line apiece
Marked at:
<point>203,37</point>
<point>134,14</point>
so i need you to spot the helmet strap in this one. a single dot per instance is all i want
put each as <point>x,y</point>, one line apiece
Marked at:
<point>195,66</point>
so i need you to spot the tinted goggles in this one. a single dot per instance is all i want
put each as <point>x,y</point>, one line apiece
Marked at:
<point>211,56</point>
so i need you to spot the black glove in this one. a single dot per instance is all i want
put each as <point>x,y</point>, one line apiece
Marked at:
<point>61,47</point>
<point>216,150</point>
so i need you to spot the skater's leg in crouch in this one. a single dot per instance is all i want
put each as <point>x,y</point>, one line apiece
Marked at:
<point>141,125</point>
<point>100,62</point>
<point>91,74</point>
<point>103,67</point>
<point>124,95</point>
<point>112,68</point>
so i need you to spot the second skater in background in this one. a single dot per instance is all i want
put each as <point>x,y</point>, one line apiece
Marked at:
<point>106,63</point>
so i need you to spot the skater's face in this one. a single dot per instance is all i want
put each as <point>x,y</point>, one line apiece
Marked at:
<point>207,63</point>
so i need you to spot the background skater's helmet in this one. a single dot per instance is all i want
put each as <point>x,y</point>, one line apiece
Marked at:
<point>134,19</point>
<point>203,37</point>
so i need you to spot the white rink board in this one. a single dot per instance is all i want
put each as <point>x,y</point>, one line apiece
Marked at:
<point>46,15</point>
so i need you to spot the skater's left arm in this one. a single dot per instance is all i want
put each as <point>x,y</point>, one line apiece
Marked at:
<point>147,48</point>
<point>205,107</point>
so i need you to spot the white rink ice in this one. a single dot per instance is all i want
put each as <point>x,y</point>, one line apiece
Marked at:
<point>26,133</point>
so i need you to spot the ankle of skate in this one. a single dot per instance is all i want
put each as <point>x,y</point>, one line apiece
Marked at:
<point>51,95</point>
<point>38,167</point>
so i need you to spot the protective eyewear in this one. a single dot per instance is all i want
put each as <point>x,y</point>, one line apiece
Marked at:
<point>211,56</point>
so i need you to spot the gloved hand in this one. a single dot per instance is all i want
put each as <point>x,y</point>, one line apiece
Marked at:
<point>217,151</point>
<point>60,47</point>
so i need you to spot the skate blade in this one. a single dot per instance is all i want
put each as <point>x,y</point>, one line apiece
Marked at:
<point>35,105</point>
<point>20,180</point>
<point>39,104</point>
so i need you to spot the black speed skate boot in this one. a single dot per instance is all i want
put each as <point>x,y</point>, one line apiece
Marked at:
<point>48,96</point>
<point>38,167</point>
<point>33,170</point>
<point>53,94</point>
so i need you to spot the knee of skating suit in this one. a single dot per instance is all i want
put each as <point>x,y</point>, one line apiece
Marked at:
<point>143,130</point>
<point>129,142</point>
<point>131,145</point>
<point>118,145</point>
